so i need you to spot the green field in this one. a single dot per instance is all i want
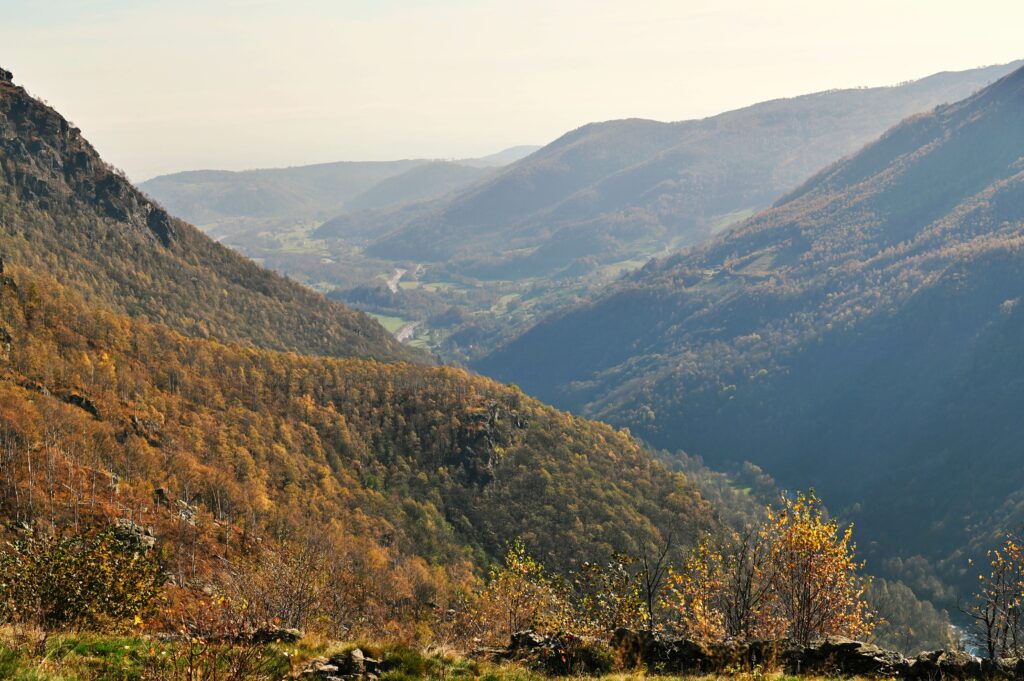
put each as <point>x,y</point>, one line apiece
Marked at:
<point>392,324</point>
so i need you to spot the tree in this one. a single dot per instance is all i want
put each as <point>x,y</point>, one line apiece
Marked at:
<point>519,595</point>
<point>997,609</point>
<point>697,594</point>
<point>653,570</point>
<point>816,589</point>
<point>96,580</point>
<point>610,596</point>
<point>794,576</point>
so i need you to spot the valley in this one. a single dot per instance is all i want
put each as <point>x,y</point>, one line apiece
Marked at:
<point>539,229</point>
<point>735,396</point>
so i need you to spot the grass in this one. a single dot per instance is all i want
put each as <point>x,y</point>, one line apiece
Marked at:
<point>436,286</point>
<point>723,222</point>
<point>392,324</point>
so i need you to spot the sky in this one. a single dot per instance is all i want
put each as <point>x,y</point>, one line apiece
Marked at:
<point>168,85</point>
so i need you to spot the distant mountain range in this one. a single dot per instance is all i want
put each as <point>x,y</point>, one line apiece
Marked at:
<point>315,191</point>
<point>862,336</point>
<point>624,189</point>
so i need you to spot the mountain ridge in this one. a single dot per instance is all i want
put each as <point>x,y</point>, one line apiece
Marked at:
<point>672,180</point>
<point>64,211</point>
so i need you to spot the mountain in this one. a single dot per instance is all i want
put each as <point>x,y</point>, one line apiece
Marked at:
<point>861,336</point>
<point>320,191</point>
<point>105,385</point>
<point>501,158</point>
<point>209,196</point>
<point>623,189</point>
<point>66,213</point>
<point>417,184</point>
<point>441,464</point>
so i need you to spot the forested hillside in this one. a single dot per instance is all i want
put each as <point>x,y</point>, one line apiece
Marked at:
<point>431,463</point>
<point>66,213</point>
<point>861,336</point>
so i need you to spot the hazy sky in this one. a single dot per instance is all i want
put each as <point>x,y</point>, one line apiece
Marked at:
<point>164,85</point>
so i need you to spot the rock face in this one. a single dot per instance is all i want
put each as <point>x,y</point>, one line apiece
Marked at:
<point>54,162</point>
<point>834,656</point>
<point>129,531</point>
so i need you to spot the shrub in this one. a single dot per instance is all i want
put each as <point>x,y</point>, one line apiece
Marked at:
<point>96,581</point>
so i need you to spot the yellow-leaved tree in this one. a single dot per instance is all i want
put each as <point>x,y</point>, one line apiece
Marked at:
<point>997,610</point>
<point>519,595</point>
<point>794,576</point>
<point>697,592</point>
<point>817,589</point>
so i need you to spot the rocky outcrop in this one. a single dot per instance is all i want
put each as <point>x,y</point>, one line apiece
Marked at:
<point>276,635</point>
<point>136,535</point>
<point>47,159</point>
<point>561,654</point>
<point>352,665</point>
<point>834,656</point>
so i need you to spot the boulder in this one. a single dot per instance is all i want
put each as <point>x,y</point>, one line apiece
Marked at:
<point>525,641</point>
<point>276,635</point>
<point>320,668</point>
<point>356,665</point>
<point>130,532</point>
<point>840,656</point>
<point>945,664</point>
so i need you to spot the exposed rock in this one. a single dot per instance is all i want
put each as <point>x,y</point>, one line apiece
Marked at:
<point>320,668</point>
<point>356,662</point>
<point>129,531</point>
<point>351,665</point>
<point>839,656</point>
<point>945,664</point>
<point>525,641</point>
<point>562,654</point>
<point>187,512</point>
<point>51,161</point>
<point>833,657</point>
<point>83,403</point>
<point>276,635</point>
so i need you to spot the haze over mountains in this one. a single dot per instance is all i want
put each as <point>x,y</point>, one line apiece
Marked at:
<point>861,336</point>
<point>609,190</point>
<point>210,197</point>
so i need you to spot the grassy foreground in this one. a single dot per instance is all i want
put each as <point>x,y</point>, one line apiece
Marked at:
<point>31,656</point>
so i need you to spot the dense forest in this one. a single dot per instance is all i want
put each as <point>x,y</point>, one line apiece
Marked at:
<point>434,462</point>
<point>861,335</point>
